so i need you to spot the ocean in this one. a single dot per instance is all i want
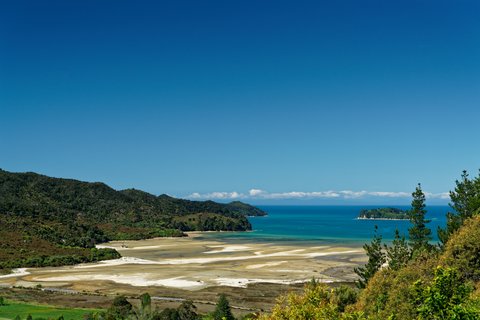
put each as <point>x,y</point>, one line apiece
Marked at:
<point>325,225</point>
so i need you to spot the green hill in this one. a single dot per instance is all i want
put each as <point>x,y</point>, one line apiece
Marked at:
<point>53,221</point>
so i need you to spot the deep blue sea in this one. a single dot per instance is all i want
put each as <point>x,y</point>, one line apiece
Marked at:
<point>326,224</point>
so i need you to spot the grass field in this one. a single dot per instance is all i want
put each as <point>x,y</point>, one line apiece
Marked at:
<point>14,308</point>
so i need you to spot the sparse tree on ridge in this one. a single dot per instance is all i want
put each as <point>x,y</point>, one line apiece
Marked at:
<point>465,202</point>
<point>376,258</point>
<point>186,311</point>
<point>223,310</point>
<point>398,254</point>
<point>419,233</point>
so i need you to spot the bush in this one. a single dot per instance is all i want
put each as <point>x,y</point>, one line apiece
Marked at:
<point>448,297</point>
<point>462,251</point>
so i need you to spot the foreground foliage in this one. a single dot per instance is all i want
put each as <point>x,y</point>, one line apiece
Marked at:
<point>418,281</point>
<point>447,297</point>
<point>316,302</point>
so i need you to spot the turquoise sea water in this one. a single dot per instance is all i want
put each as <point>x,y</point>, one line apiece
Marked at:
<point>325,224</point>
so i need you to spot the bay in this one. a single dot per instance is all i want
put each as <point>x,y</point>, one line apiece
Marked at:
<point>326,225</point>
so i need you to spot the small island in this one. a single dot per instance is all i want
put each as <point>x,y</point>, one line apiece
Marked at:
<point>383,214</point>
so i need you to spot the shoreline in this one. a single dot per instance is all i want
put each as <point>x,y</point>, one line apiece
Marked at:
<point>393,219</point>
<point>190,263</point>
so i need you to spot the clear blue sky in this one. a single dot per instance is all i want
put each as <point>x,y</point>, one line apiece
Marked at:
<point>195,97</point>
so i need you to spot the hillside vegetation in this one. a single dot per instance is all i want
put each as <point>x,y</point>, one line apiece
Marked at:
<point>409,279</point>
<point>52,221</point>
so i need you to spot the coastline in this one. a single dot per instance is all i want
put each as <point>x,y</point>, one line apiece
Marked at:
<point>190,263</point>
<point>389,219</point>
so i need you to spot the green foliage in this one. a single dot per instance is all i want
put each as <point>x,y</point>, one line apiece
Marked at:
<point>186,311</point>
<point>168,314</point>
<point>344,296</point>
<point>76,256</point>
<point>448,297</point>
<point>383,213</point>
<point>376,258</point>
<point>465,202</point>
<point>223,310</point>
<point>419,233</point>
<point>121,309</point>
<point>398,254</point>
<point>2,301</point>
<point>144,311</point>
<point>462,251</point>
<point>316,302</point>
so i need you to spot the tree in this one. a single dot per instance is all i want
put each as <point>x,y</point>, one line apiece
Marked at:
<point>465,202</point>
<point>448,297</point>
<point>344,296</point>
<point>186,311</point>
<point>317,301</point>
<point>2,301</point>
<point>168,314</point>
<point>120,309</point>
<point>398,254</point>
<point>223,310</point>
<point>376,258</point>
<point>419,233</point>
<point>145,310</point>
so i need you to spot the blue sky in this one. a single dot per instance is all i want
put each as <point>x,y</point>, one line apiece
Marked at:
<point>340,102</point>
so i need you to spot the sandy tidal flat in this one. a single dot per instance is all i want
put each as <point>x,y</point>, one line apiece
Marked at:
<point>192,264</point>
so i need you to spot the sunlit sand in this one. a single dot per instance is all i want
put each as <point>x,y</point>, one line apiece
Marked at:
<point>192,263</point>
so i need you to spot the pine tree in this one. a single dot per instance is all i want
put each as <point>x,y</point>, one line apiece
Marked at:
<point>145,310</point>
<point>465,202</point>
<point>223,311</point>
<point>376,258</point>
<point>398,253</point>
<point>419,233</point>
<point>186,311</point>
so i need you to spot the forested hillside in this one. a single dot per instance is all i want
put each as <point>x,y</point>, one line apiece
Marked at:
<point>41,217</point>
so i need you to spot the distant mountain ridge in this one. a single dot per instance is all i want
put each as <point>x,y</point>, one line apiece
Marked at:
<point>67,213</point>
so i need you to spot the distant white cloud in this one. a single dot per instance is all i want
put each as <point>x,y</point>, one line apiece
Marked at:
<point>330,194</point>
<point>255,192</point>
<point>300,195</point>
<point>216,195</point>
<point>388,194</point>
<point>442,195</point>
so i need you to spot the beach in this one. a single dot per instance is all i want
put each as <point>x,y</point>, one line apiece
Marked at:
<point>190,263</point>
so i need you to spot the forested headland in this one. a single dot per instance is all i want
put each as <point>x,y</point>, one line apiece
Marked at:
<point>47,221</point>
